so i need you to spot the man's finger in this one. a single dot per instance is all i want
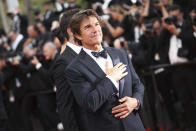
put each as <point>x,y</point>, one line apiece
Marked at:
<point>123,69</point>
<point>124,116</point>
<point>121,114</point>
<point>118,107</point>
<point>124,74</point>
<point>118,65</point>
<point>119,110</point>
<point>122,66</point>
<point>123,99</point>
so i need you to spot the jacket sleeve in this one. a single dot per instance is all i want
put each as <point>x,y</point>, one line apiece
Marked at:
<point>64,98</point>
<point>138,87</point>
<point>90,96</point>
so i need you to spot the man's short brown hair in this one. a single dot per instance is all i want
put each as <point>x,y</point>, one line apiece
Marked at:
<point>78,18</point>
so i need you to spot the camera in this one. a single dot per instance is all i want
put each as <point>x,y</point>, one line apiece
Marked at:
<point>39,55</point>
<point>3,40</point>
<point>11,56</point>
<point>171,20</point>
<point>149,28</point>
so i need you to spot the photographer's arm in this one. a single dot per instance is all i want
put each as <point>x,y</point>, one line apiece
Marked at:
<point>115,32</point>
<point>164,11</point>
<point>171,28</point>
<point>145,12</point>
<point>44,72</point>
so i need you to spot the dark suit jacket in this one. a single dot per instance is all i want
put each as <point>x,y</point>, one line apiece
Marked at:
<point>96,94</point>
<point>163,46</point>
<point>3,114</point>
<point>65,101</point>
<point>188,40</point>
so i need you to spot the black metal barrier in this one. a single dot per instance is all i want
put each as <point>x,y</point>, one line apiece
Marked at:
<point>151,72</point>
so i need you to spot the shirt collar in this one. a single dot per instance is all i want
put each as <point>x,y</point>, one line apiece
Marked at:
<point>17,41</point>
<point>76,48</point>
<point>88,51</point>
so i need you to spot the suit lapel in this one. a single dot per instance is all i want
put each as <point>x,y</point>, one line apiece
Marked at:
<point>115,59</point>
<point>91,64</point>
<point>71,51</point>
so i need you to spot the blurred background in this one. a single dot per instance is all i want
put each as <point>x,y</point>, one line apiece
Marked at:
<point>158,35</point>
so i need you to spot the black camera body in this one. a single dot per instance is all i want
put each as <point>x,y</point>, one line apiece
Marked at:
<point>149,28</point>
<point>171,20</point>
<point>39,55</point>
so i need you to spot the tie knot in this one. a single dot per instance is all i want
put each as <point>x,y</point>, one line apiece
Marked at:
<point>103,54</point>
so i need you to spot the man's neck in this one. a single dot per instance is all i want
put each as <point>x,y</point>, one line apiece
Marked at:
<point>94,48</point>
<point>73,42</point>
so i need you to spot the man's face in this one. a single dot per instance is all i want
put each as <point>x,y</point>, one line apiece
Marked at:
<point>29,52</point>
<point>31,32</point>
<point>90,33</point>
<point>2,63</point>
<point>48,52</point>
<point>11,36</point>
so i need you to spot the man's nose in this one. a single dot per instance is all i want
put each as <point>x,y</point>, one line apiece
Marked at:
<point>95,29</point>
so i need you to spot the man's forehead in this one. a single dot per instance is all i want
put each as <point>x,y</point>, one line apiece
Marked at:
<point>88,19</point>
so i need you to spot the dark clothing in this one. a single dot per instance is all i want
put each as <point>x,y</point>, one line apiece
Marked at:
<point>48,18</point>
<point>3,115</point>
<point>163,46</point>
<point>65,100</point>
<point>19,48</point>
<point>128,27</point>
<point>96,95</point>
<point>44,103</point>
<point>188,49</point>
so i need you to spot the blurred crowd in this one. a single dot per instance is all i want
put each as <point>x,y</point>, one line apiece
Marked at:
<point>153,32</point>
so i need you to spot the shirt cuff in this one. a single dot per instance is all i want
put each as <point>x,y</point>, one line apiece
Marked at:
<point>113,81</point>
<point>38,66</point>
<point>194,34</point>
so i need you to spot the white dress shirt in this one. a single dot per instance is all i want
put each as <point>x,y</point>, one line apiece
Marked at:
<point>175,44</point>
<point>76,48</point>
<point>15,44</point>
<point>102,64</point>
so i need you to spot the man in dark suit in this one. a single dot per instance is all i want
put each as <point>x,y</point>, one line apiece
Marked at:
<point>16,42</point>
<point>65,101</point>
<point>107,90</point>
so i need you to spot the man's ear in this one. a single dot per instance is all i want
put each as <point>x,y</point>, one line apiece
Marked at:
<point>78,37</point>
<point>69,32</point>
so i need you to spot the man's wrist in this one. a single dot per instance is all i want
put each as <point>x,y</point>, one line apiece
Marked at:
<point>138,104</point>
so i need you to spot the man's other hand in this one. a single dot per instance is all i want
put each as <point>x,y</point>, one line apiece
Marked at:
<point>127,106</point>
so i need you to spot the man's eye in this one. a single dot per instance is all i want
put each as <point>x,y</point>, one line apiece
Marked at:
<point>86,27</point>
<point>97,24</point>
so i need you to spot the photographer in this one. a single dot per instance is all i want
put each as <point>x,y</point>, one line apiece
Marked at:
<point>179,37</point>
<point>16,42</point>
<point>19,21</point>
<point>35,65</point>
<point>119,24</point>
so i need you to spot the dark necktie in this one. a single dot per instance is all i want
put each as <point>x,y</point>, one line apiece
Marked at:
<point>103,54</point>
